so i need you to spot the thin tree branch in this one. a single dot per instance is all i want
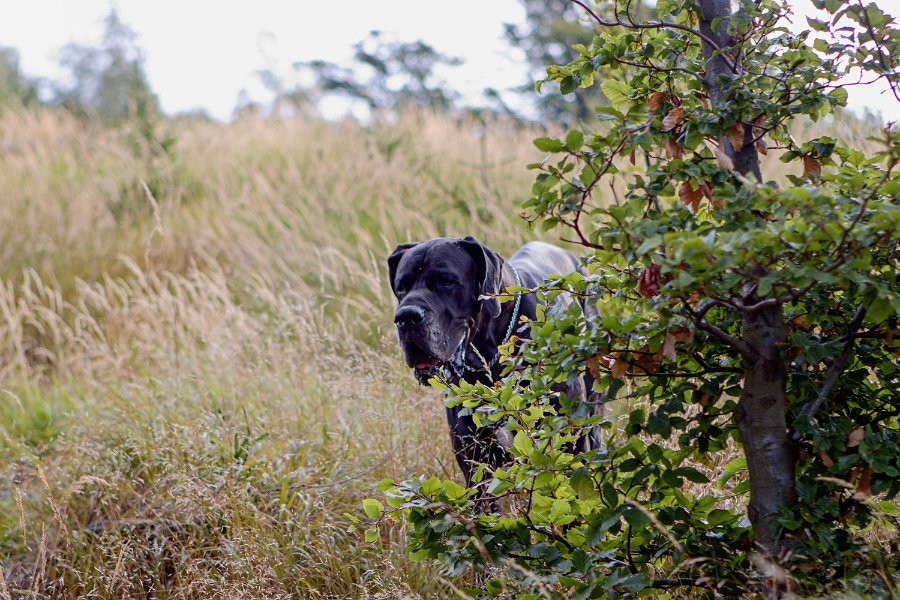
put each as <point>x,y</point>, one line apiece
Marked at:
<point>676,582</point>
<point>619,23</point>
<point>647,373</point>
<point>729,340</point>
<point>834,370</point>
<point>723,337</point>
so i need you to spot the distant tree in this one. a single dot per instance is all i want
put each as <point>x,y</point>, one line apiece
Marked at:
<point>550,30</point>
<point>14,85</point>
<point>386,75</point>
<point>547,37</point>
<point>108,80</point>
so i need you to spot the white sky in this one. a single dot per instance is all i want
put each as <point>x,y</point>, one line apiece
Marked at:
<point>202,53</point>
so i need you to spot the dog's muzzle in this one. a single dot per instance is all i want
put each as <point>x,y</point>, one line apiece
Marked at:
<point>410,316</point>
<point>414,330</point>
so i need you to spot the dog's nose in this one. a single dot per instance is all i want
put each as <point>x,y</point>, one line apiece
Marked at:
<point>409,316</point>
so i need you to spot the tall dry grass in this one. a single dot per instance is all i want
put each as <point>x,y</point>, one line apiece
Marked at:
<point>197,365</point>
<point>198,376</point>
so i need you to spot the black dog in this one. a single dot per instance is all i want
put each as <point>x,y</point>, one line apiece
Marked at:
<point>449,320</point>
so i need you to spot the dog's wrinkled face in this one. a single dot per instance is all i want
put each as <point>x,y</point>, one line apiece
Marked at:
<point>437,284</point>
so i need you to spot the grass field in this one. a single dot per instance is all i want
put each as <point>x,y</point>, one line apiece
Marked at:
<point>198,371</point>
<point>200,379</point>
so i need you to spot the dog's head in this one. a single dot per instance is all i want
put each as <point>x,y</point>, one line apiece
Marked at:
<point>442,286</point>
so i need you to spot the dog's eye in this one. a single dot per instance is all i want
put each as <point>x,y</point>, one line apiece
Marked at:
<point>445,283</point>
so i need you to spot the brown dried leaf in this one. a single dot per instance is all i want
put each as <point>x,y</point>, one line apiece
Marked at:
<point>655,100</point>
<point>800,323</point>
<point>668,347</point>
<point>647,363</point>
<point>673,149</point>
<point>761,145</point>
<point>689,196</point>
<point>856,437</point>
<point>736,136</point>
<point>648,281</point>
<point>673,119</point>
<point>618,368</point>
<point>594,363</point>
<point>722,158</point>
<point>682,334</point>
<point>811,165</point>
<point>864,484</point>
<point>633,156</point>
<point>826,460</point>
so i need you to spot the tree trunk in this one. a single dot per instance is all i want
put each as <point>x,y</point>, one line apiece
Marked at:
<point>760,415</point>
<point>720,67</point>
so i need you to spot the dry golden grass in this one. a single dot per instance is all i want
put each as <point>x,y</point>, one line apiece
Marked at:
<point>197,360</point>
<point>197,365</point>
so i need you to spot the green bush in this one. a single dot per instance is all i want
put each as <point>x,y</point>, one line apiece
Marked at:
<point>735,313</point>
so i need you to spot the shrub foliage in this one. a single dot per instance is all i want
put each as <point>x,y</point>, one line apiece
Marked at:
<point>735,311</point>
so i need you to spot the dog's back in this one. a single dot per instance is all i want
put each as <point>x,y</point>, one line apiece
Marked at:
<point>537,261</point>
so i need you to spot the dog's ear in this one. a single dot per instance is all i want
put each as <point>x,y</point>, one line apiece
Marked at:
<point>489,271</point>
<point>394,260</point>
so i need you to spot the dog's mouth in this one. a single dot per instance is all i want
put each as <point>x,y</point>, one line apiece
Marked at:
<point>426,364</point>
<point>419,358</point>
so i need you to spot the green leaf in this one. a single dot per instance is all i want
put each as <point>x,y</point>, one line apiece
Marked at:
<point>636,517</point>
<point>632,583</point>
<point>373,508</point>
<point>523,443</point>
<point>664,8</point>
<point>887,508</point>
<point>618,93</point>
<point>546,144</point>
<point>372,535</point>
<point>730,470</point>
<point>691,474</point>
<point>453,490</point>
<point>839,95</point>
<point>816,24</point>
<point>494,586</point>
<point>880,309</point>
<point>719,517</point>
<point>610,495</point>
<point>574,140</point>
<point>583,484</point>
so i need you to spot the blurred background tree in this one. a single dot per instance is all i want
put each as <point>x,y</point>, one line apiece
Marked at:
<point>546,37</point>
<point>15,86</point>
<point>107,80</point>
<point>386,75</point>
<point>550,30</point>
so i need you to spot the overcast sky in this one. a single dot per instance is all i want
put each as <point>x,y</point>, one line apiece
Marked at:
<point>202,53</point>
